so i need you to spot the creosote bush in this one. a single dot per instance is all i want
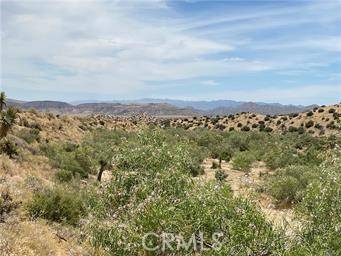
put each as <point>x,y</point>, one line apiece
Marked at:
<point>29,135</point>
<point>57,204</point>
<point>242,161</point>
<point>151,191</point>
<point>288,185</point>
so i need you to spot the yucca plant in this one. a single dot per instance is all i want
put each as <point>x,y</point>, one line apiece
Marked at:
<point>7,121</point>
<point>2,101</point>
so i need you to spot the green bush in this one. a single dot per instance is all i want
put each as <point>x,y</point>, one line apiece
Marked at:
<point>72,158</point>
<point>29,135</point>
<point>309,124</point>
<point>288,184</point>
<point>222,151</point>
<point>8,147</point>
<point>281,157</point>
<point>64,175</point>
<point>220,175</point>
<point>321,207</point>
<point>207,209</point>
<point>151,190</point>
<point>59,205</point>
<point>243,160</point>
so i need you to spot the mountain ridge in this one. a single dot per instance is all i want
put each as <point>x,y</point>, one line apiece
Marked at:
<point>160,107</point>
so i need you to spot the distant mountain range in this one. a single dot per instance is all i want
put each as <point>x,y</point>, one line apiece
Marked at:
<point>160,107</point>
<point>199,105</point>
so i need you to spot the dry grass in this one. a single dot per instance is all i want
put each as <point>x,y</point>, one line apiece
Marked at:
<point>37,238</point>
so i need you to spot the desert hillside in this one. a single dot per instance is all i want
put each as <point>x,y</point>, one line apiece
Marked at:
<point>318,121</point>
<point>77,180</point>
<point>324,120</point>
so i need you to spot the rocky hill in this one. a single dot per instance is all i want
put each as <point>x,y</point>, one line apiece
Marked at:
<point>319,121</point>
<point>118,109</point>
<point>324,120</point>
<point>260,108</point>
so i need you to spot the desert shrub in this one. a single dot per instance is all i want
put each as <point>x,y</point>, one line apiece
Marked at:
<point>206,208</point>
<point>292,129</point>
<point>59,205</point>
<point>208,139</point>
<point>7,205</point>
<point>29,135</point>
<point>309,124</point>
<point>300,130</point>
<point>331,125</point>
<point>320,207</point>
<point>195,169</point>
<point>243,160</point>
<point>268,129</point>
<point>318,126</point>
<point>320,110</point>
<point>222,151</point>
<point>245,128</point>
<point>336,115</point>
<point>332,110</point>
<point>238,141</point>
<point>64,175</point>
<point>281,157</point>
<point>36,126</point>
<point>215,165</point>
<point>219,126</point>
<point>220,175</point>
<point>61,157</point>
<point>310,113</point>
<point>8,147</point>
<point>261,127</point>
<point>254,125</point>
<point>288,184</point>
<point>239,125</point>
<point>165,123</point>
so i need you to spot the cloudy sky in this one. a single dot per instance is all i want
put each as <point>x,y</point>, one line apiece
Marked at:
<point>271,51</point>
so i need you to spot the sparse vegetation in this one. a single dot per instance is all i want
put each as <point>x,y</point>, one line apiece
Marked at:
<point>110,186</point>
<point>59,205</point>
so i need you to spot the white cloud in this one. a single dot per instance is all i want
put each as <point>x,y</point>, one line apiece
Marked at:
<point>99,45</point>
<point>119,47</point>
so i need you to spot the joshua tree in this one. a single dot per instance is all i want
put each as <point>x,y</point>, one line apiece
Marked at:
<point>7,120</point>
<point>2,100</point>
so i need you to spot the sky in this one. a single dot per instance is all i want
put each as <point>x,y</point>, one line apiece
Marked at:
<point>270,51</point>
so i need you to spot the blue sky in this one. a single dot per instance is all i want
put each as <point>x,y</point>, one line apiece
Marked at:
<point>270,51</point>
